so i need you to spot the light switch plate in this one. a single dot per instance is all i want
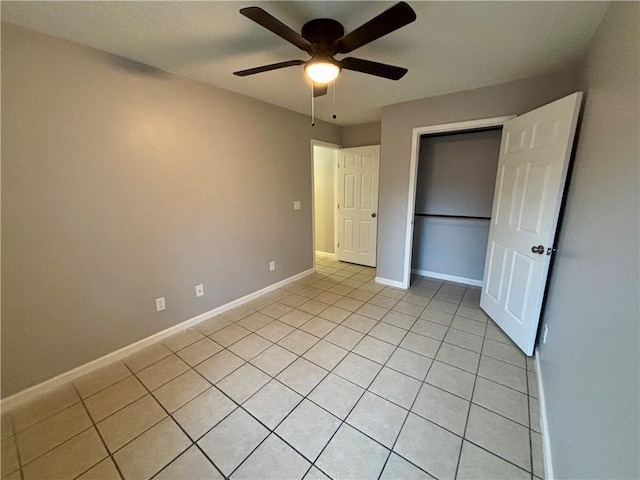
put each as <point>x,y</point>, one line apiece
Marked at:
<point>296,205</point>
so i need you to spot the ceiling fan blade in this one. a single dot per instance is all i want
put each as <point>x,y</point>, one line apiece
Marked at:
<point>266,68</point>
<point>373,68</point>
<point>271,23</point>
<point>319,90</point>
<point>388,21</point>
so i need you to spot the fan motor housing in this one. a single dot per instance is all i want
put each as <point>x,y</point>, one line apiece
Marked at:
<point>322,32</point>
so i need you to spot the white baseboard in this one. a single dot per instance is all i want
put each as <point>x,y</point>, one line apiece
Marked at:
<point>546,444</point>
<point>331,256</point>
<point>450,278</point>
<point>47,386</point>
<point>390,283</point>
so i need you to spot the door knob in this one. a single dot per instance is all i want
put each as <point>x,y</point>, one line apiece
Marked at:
<point>539,249</point>
<point>374,215</point>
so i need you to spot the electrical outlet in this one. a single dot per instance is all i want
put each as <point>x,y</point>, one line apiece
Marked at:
<point>545,330</point>
<point>199,290</point>
<point>272,266</point>
<point>296,205</point>
<point>160,305</point>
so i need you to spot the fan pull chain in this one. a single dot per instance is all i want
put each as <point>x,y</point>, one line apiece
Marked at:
<point>313,108</point>
<point>335,82</point>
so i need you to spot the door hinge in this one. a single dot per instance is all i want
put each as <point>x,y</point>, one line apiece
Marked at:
<point>338,244</point>
<point>338,206</point>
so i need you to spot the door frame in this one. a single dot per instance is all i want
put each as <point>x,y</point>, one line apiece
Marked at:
<point>335,147</point>
<point>413,174</point>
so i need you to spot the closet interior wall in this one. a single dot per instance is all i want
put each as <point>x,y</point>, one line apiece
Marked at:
<point>454,195</point>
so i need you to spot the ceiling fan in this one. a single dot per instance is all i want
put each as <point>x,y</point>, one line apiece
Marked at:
<point>324,38</point>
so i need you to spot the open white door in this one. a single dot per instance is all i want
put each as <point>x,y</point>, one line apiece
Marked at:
<point>532,169</point>
<point>358,171</point>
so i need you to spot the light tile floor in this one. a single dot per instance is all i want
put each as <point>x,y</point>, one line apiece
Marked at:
<point>333,376</point>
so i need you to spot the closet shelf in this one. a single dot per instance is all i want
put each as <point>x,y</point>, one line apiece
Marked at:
<point>465,217</point>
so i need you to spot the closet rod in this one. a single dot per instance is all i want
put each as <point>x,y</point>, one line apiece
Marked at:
<point>451,216</point>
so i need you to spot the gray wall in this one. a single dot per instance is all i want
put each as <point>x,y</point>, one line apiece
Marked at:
<point>121,184</point>
<point>456,176</point>
<point>361,135</point>
<point>324,202</point>
<point>450,246</point>
<point>457,173</point>
<point>590,362</point>
<point>399,120</point>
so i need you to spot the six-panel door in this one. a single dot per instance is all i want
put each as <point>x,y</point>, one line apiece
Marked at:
<point>532,169</point>
<point>358,204</point>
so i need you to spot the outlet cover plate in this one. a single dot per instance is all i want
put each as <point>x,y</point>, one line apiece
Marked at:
<point>160,304</point>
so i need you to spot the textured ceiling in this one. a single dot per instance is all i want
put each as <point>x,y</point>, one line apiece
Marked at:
<point>452,46</point>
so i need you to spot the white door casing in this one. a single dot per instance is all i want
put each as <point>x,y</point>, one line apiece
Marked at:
<point>358,172</point>
<point>532,169</point>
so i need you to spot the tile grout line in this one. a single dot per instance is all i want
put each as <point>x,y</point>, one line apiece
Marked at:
<point>273,431</point>
<point>44,419</point>
<point>203,393</point>
<point>367,390</point>
<point>466,423</point>
<point>343,421</point>
<point>52,448</point>
<point>193,442</point>
<point>529,418</point>
<point>272,378</point>
<point>470,403</point>
<point>305,397</point>
<point>141,383</point>
<point>81,400</point>
<point>168,415</point>
<point>110,454</point>
<point>255,332</point>
<point>528,427</point>
<point>272,319</point>
<point>15,441</point>
<point>466,400</point>
<point>56,446</point>
<point>104,444</point>
<point>391,450</point>
<point>414,400</point>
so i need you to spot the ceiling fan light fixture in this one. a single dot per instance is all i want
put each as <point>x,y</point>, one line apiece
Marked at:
<point>322,71</point>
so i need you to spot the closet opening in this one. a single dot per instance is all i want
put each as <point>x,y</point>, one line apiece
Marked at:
<point>454,189</point>
<point>454,195</point>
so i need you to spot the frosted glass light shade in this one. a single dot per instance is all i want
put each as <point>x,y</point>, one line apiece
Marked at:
<point>321,72</point>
